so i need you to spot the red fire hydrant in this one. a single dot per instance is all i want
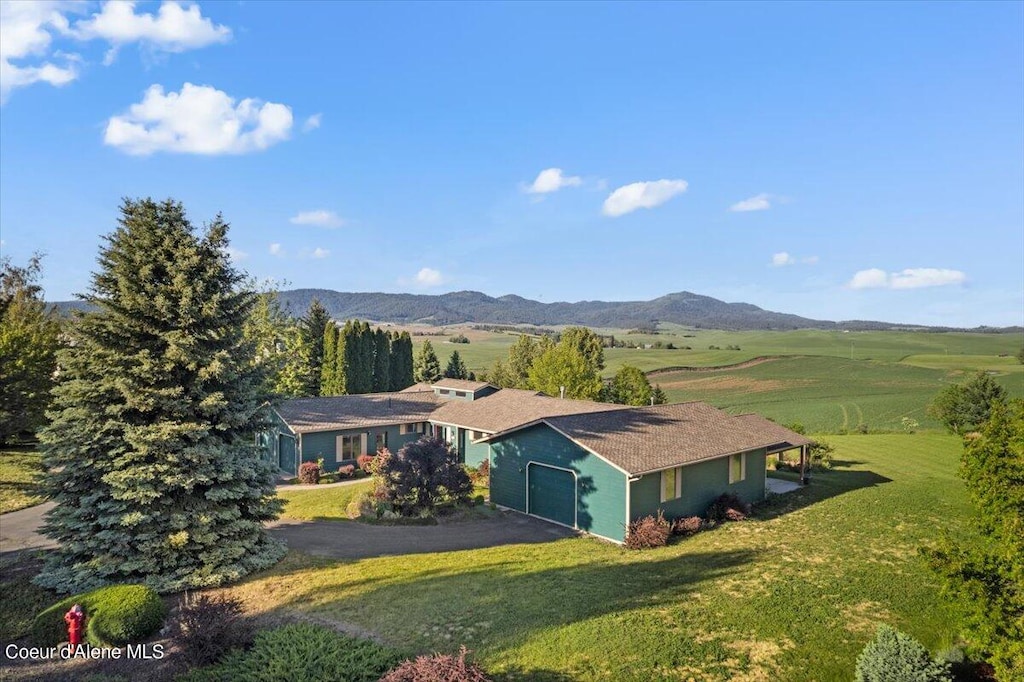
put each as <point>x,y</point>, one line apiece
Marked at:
<point>75,618</point>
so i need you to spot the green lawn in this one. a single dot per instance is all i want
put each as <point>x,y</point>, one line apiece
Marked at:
<point>321,504</point>
<point>21,471</point>
<point>793,595</point>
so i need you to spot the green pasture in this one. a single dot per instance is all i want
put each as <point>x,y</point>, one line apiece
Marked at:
<point>792,595</point>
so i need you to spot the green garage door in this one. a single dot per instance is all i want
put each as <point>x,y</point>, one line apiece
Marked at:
<point>552,493</point>
<point>286,453</point>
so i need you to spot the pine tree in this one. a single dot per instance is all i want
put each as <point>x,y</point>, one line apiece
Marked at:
<point>381,361</point>
<point>150,450</point>
<point>328,370</point>
<point>659,395</point>
<point>313,325</point>
<point>426,367</point>
<point>456,369</point>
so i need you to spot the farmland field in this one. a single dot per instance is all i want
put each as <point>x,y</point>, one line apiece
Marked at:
<point>792,595</point>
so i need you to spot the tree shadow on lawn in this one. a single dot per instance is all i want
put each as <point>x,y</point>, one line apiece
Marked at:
<point>824,484</point>
<point>500,605</point>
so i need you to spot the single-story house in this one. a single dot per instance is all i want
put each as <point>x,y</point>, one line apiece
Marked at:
<point>586,465</point>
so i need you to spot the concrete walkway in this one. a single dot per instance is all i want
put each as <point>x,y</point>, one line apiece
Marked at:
<point>779,486</point>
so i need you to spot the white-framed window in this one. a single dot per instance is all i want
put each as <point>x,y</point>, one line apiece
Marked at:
<point>671,484</point>
<point>476,435</point>
<point>411,428</point>
<point>350,447</point>
<point>737,467</point>
<point>460,394</point>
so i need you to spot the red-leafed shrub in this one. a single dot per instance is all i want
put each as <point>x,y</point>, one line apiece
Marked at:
<point>421,477</point>
<point>309,473</point>
<point>484,470</point>
<point>438,668</point>
<point>347,471</point>
<point>365,462</point>
<point>727,507</point>
<point>687,525</point>
<point>648,532</point>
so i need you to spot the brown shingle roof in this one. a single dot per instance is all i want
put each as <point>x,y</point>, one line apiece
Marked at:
<point>461,384</point>
<point>416,388</point>
<point>509,408</point>
<point>304,415</point>
<point>645,439</point>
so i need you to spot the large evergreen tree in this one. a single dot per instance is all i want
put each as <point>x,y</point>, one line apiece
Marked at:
<point>456,368</point>
<point>381,361</point>
<point>427,368</point>
<point>329,368</point>
<point>401,361</point>
<point>313,325</point>
<point>280,346</point>
<point>150,451</point>
<point>29,337</point>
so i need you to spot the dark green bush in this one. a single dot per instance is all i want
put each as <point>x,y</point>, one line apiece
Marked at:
<point>301,653</point>
<point>894,656</point>
<point>115,615</point>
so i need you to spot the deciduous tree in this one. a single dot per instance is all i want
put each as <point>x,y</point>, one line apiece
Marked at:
<point>965,407</point>
<point>563,365</point>
<point>631,387</point>
<point>150,452</point>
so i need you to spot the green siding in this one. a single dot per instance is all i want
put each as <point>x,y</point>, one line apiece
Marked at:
<point>702,483</point>
<point>324,443</point>
<point>476,453</point>
<point>601,488</point>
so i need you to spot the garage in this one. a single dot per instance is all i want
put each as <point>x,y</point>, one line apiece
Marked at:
<point>551,493</point>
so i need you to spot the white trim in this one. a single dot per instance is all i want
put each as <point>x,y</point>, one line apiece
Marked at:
<point>701,460</point>
<point>564,435</point>
<point>575,493</point>
<point>463,426</point>
<point>743,467</point>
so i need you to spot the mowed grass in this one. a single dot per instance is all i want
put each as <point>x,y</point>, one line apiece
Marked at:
<point>792,595</point>
<point>21,472</point>
<point>321,504</point>
<point>826,394</point>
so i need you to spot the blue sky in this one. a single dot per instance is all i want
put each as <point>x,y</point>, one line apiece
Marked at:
<point>838,161</point>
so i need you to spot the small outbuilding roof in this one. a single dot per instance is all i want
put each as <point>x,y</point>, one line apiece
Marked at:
<point>511,407</point>
<point>646,439</point>
<point>306,415</point>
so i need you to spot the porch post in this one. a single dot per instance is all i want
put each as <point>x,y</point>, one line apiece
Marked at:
<point>803,465</point>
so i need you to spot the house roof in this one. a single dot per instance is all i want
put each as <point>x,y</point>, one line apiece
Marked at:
<point>646,439</point>
<point>305,415</point>
<point>511,407</point>
<point>415,388</point>
<point>462,384</point>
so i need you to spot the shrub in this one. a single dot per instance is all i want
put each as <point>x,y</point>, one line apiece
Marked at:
<point>819,454</point>
<point>301,651</point>
<point>648,532</point>
<point>687,525</point>
<point>365,462</point>
<point>894,656</point>
<point>727,507</point>
<point>862,428</point>
<point>208,627</point>
<point>438,668</point>
<point>420,477</point>
<point>309,473</point>
<point>115,615</point>
<point>347,471</point>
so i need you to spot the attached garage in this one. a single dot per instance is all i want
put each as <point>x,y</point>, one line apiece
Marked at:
<point>551,493</point>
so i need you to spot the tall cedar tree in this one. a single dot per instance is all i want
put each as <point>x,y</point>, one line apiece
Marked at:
<point>313,325</point>
<point>328,370</point>
<point>456,368</point>
<point>381,361</point>
<point>988,578</point>
<point>150,449</point>
<point>29,338</point>
<point>401,361</point>
<point>427,368</point>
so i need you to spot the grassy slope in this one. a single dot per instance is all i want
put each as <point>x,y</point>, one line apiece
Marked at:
<point>20,472</point>
<point>791,596</point>
<point>321,504</point>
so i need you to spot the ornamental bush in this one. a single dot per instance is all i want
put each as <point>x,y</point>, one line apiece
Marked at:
<point>727,507</point>
<point>365,462</point>
<point>115,615</point>
<point>648,532</point>
<point>347,471</point>
<point>687,525</point>
<point>420,477</point>
<point>309,473</point>
<point>208,627</point>
<point>438,668</point>
<point>894,656</point>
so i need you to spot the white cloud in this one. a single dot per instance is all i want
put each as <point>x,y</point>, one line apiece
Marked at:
<point>629,198</point>
<point>782,258</point>
<point>175,28</point>
<point>198,120</point>
<point>552,180</point>
<point>910,278</point>
<point>429,277</point>
<point>319,218</point>
<point>320,253</point>
<point>312,123</point>
<point>276,249</point>
<point>25,32</point>
<point>761,202</point>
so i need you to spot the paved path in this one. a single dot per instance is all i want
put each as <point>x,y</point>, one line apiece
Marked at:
<point>339,539</point>
<point>19,529</point>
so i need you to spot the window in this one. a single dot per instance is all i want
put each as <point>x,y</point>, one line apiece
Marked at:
<point>671,484</point>
<point>476,435</point>
<point>737,468</point>
<point>382,440</point>
<point>460,394</point>
<point>411,428</point>
<point>350,447</point>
